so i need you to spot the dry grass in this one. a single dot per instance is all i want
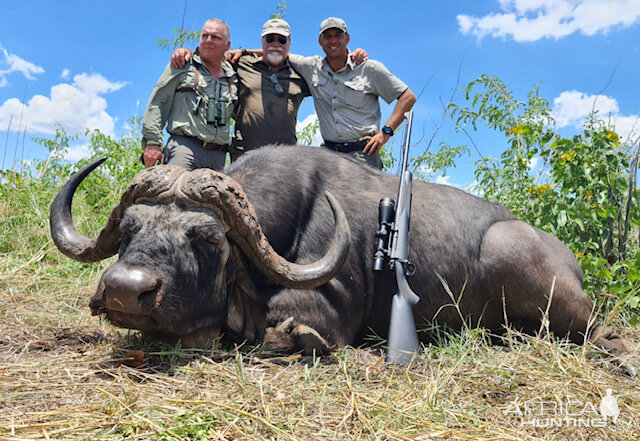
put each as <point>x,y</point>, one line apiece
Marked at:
<point>62,377</point>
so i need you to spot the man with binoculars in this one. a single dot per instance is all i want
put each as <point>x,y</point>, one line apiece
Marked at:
<point>195,102</point>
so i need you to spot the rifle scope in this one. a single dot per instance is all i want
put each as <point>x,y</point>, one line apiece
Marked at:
<point>386,215</point>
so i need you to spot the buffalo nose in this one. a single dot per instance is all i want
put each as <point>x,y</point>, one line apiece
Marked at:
<point>130,290</point>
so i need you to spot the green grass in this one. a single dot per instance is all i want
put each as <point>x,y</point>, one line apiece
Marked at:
<point>62,374</point>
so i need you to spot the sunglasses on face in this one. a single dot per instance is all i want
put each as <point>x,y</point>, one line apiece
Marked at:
<point>274,79</point>
<point>271,37</point>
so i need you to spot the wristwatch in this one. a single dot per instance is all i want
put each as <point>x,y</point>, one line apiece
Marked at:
<point>387,130</point>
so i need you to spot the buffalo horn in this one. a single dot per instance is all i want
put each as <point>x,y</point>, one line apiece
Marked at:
<point>225,196</point>
<point>71,243</point>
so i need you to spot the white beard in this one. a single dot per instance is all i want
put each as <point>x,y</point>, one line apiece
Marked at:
<point>274,58</point>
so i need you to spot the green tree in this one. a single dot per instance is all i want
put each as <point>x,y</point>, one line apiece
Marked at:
<point>582,189</point>
<point>281,10</point>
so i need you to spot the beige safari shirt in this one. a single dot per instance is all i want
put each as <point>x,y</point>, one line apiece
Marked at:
<point>347,101</point>
<point>174,102</point>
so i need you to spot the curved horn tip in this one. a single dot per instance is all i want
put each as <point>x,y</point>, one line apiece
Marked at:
<point>63,232</point>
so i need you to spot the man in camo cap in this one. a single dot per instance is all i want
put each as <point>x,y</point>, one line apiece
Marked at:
<point>346,94</point>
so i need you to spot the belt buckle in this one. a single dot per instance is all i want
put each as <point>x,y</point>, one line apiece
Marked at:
<point>208,145</point>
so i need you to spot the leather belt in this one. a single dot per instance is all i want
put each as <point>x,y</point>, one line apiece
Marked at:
<point>345,147</point>
<point>210,145</point>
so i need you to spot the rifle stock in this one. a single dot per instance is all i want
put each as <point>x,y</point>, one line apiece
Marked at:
<point>403,339</point>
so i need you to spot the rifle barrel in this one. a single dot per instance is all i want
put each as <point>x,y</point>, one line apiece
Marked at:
<point>407,140</point>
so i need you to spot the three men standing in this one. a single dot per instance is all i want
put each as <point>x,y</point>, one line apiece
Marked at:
<point>271,88</point>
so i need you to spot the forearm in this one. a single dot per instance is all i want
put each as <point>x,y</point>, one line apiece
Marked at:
<point>159,106</point>
<point>405,102</point>
<point>152,126</point>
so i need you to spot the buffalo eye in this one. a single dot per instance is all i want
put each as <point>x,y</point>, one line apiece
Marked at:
<point>205,233</point>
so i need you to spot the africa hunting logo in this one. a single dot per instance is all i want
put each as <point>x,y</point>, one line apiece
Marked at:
<point>569,413</point>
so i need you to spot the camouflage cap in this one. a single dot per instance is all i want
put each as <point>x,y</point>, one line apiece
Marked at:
<point>333,22</point>
<point>276,26</point>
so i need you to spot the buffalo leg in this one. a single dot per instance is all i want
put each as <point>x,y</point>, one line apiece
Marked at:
<point>537,274</point>
<point>317,309</point>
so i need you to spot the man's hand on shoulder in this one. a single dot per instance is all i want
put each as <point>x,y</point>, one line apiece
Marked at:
<point>180,56</point>
<point>233,55</point>
<point>359,56</point>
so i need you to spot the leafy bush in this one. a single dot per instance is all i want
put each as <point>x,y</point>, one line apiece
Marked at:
<point>583,191</point>
<point>25,197</point>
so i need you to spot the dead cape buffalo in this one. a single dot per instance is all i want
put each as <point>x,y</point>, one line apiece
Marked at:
<point>256,254</point>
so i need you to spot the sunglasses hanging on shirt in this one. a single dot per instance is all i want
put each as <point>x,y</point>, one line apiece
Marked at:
<point>274,79</point>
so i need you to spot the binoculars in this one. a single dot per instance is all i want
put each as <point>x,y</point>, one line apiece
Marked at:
<point>217,111</point>
<point>386,216</point>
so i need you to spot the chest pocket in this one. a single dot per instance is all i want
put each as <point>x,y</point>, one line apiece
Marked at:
<point>215,98</point>
<point>323,89</point>
<point>355,92</point>
<point>318,81</point>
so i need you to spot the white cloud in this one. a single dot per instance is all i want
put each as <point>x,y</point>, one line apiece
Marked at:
<point>75,107</point>
<point>531,20</point>
<point>428,175</point>
<point>65,74</point>
<point>571,108</point>
<point>96,84</point>
<point>444,180</point>
<point>13,63</point>
<point>77,152</point>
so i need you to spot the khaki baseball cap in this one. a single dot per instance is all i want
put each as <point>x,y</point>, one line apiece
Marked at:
<point>333,22</point>
<point>276,26</point>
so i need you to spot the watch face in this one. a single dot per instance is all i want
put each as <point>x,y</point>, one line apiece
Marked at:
<point>387,130</point>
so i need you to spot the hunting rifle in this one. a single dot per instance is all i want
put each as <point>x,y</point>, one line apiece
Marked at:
<point>393,247</point>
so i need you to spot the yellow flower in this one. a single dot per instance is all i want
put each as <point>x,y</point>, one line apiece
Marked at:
<point>613,136</point>
<point>566,157</point>
<point>515,130</point>
<point>538,191</point>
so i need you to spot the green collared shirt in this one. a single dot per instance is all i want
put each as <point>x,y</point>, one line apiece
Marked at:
<point>347,101</point>
<point>177,103</point>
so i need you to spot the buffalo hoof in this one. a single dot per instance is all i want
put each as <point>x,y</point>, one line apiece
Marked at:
<point>310,341</point>
<point>287,336</point>
<point>627,366</point>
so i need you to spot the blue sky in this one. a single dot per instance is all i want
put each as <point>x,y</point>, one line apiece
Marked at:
<point>93,64</point>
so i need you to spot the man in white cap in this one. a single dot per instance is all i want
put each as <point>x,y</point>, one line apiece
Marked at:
<point>346,96</point>
<point>270,91</point>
